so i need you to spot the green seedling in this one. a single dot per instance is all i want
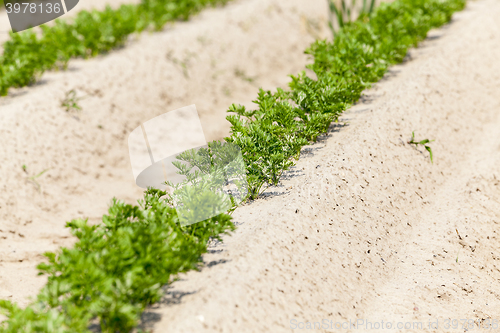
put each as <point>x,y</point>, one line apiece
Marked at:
<point>423,143</point>
<point>343,14</point>
<point>32,179</point>
<point>183,64</point>
<point>226,91</point>
<point>241,74</point>
<point>70,101</point>
<point>203,40</point>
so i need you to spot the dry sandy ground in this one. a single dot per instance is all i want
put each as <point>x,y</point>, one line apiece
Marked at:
<point>208,61</point>
<point>364,227</point>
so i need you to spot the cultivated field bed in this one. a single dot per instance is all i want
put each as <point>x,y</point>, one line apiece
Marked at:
<point>363,227</point>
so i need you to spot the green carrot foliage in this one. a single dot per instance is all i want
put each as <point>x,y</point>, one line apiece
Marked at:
<point>115,269</point>
<point>26,56</point>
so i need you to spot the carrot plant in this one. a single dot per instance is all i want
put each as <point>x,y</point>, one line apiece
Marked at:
<point>268,137</point>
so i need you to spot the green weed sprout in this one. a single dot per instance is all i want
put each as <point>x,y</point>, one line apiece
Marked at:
<point>32,179</point>
<point>423,143</point>
<point>70,101</point>
<point>343,14</point>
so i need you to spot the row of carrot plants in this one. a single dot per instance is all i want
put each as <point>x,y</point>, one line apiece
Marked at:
<point>118,267</point>
<point>28,54</point>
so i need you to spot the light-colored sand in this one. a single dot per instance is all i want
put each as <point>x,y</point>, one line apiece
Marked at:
<point>364,227</point>
<point>221,49</point>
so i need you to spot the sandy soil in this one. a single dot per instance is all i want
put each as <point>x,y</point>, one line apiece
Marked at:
<point>364,227</point>
<point>208,61</point>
